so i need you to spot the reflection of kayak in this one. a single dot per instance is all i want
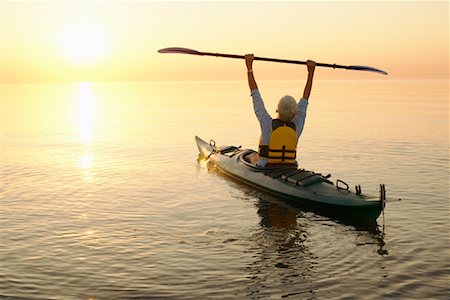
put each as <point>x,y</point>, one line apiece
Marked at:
<point>299,185</point>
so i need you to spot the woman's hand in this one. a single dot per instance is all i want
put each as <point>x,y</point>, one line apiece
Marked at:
<point>249,61</point>
<point>311,65</point>
<point>251,79</point>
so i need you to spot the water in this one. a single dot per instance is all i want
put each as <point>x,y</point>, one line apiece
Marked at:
<point>102,196</point>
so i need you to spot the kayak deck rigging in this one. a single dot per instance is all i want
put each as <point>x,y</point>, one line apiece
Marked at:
<point>289,174</point>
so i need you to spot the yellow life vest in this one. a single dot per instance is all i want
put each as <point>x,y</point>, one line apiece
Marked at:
<point>282,148</point>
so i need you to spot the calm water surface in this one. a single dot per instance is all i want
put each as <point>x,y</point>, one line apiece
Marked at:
<point>102,195</point>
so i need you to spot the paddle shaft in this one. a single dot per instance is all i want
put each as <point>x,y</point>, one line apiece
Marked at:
<point>298,62</point>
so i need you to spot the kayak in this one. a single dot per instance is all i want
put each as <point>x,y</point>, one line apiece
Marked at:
<point>293,184</point>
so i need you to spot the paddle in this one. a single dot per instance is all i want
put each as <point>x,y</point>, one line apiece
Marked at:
<point>288,61</point>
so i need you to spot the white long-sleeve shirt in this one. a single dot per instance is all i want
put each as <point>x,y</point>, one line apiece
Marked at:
<point>265,120</point>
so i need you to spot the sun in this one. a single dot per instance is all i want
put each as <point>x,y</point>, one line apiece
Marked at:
<point>83,44</point>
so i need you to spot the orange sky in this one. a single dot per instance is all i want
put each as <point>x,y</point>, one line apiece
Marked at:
<point>118,41</point>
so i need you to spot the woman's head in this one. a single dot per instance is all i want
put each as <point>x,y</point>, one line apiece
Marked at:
<point>287,108</point>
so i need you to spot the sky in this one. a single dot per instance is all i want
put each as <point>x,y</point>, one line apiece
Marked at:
<point>115,41</point>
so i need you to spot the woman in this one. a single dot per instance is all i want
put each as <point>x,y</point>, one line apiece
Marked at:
<point>279,137</point>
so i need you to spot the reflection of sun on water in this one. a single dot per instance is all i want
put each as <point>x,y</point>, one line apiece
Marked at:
<point>85,113</point>
<point>85,121</point>
<point>203,162</point>
<point>86,161</point>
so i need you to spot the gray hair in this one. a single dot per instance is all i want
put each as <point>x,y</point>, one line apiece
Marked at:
<point>287,108</point>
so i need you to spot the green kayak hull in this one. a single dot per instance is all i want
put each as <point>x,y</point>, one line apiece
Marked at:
<point>300,186</point>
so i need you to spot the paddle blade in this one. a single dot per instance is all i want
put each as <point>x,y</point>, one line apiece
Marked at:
<point>179,50</point>
<point>364,68</point>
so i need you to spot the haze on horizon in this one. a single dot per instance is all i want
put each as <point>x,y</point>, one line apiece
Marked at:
<point>118,41</point>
